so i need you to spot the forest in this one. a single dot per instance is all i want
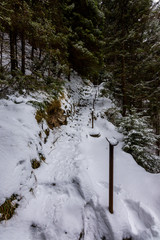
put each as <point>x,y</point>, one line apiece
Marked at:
<point>112,41</point>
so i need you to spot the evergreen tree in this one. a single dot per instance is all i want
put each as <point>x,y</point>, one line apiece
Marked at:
<point>132,58</point>
<point>150,69</point>
<point>125,28</point>
<point>139,140</point>
<point>86,39</point>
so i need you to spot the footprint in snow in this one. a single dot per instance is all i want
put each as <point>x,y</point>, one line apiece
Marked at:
<point>141,220</point>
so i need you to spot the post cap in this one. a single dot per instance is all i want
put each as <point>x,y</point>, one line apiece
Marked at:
<point>112,141</point>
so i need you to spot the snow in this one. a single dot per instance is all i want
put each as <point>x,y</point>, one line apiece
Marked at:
<point>112,141</point>
<point>66,198</point>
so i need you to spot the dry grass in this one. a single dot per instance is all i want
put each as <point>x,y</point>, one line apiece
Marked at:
<point>35,163</point>
<point>41,157</point>
<point>7,209</point>
<point>54,107</point>
<point>52,113</point>
<point>40,114</point>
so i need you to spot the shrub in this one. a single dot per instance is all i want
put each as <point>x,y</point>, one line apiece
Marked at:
<point>52,113</point>
<point>7,209</point>
<point>35,163</point>
<point>40,114</point>
<point>140,141</point>
<point>113,115</point>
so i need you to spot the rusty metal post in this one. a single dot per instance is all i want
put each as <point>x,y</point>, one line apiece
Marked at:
<point>93,104</point>
<point>92,113</point>
<point>96,95</point>
<point>112,143</point>
<point>111,164</point>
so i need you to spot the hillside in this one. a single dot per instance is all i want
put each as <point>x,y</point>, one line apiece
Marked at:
<point>65,196</point>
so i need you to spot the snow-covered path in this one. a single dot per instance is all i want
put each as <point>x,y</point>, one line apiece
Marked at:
<point>67,197</point>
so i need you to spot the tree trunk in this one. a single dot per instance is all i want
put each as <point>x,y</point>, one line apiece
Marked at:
<point>32,53</point>
<point>12,51</point>
<point>23,45</point>
<point>59,73</point>
<point>40,54</point>
<point>123,80</point>
<point>157,126</point>
<point>123,76</point>
<point>69,73</point>
<point>49,65</point>
<point>23,52</point>
<point>69,76</point>
<point>16,50</point>
<point>1,61</point>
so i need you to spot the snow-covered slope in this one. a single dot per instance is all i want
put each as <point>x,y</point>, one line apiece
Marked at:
<point>66,198</point>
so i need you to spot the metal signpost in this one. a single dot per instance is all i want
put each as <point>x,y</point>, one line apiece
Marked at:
<point>112,143</point>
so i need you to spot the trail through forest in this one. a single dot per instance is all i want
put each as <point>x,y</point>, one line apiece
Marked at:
<point>66,198</point>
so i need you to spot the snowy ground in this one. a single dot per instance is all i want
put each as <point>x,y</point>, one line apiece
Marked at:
<point>67,197</point>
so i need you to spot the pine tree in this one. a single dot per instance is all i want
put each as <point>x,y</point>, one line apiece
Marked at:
<point>139,140</point>
<point>151,66</point>
<point>125,28</point>
<point>86,39</point>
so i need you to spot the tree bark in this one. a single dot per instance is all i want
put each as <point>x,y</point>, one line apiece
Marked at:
<point>23,52</point>
<point>1,61</point>
<point>23,45</point>
<point>16,50</point>
<point>123,80</point>
<point>69,73</point>
<point>32,53</point>
<point>49,66</point>
<point>40,54</point>
<point>123,76</point>
<point>59,73</point>
<point>13,51</point>
<point>157,126</point>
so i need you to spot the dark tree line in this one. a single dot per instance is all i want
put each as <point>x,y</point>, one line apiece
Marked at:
<point>67,32</point>
<point>132,62</point>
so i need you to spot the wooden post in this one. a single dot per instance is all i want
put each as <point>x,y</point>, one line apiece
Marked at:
<point>96,95</point>
<point>112,142</point>
<point>92,114</point>
<point>111,164</point>
<point>93,104</point>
